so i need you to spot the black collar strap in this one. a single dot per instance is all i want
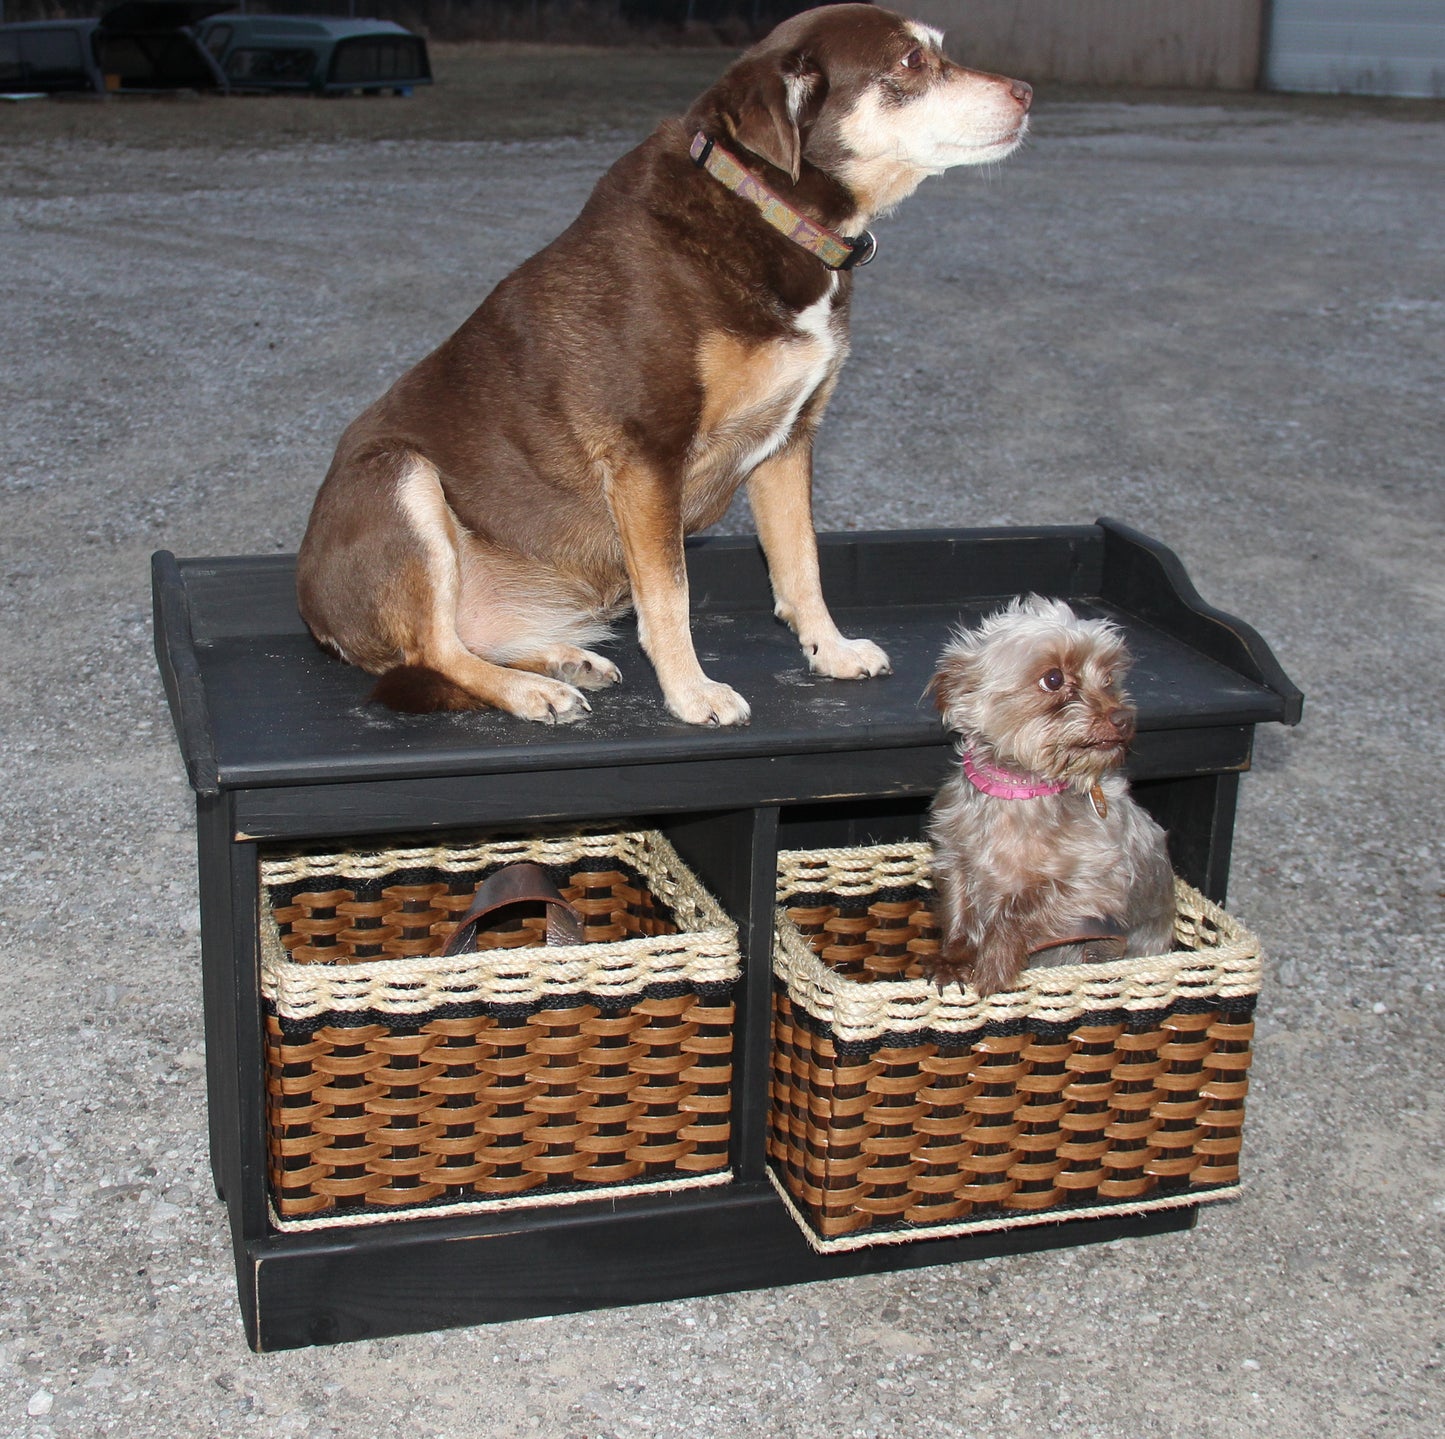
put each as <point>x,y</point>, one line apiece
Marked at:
<point>834,250</point>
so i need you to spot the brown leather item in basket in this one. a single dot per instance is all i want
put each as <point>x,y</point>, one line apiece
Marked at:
<point>355,923</point>
<point>523,883</point>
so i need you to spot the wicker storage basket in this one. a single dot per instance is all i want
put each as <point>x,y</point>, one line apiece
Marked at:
<point>900,1113</point>
<point>398,1082</point>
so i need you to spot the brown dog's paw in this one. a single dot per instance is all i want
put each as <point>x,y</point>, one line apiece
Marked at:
<point>546,701</point>
<point>843,659</point>
<point>710,703</point>
<point>585,669</point>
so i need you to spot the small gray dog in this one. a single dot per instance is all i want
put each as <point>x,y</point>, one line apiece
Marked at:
<point>1040,854</point>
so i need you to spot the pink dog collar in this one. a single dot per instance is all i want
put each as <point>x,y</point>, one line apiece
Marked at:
<point>1005,784</point>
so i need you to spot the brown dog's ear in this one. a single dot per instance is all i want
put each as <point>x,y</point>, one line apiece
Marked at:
<point>769,106</point>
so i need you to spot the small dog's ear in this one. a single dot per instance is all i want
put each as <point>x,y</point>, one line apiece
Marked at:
<point>769,106</point>
<point>951,682</point>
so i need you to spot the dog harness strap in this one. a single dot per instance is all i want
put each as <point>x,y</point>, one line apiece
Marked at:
<point>1005,784</point>
<point>834,250</point>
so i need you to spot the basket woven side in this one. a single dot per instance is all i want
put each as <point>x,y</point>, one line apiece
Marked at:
<point>489,1107</point>
<point>931,1133</point>
<point>524,1072</point>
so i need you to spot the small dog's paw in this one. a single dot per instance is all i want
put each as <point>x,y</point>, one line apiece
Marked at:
<point>547,701</point>
<point>941,971</point>
<point>710,703</point>
<point>842,659</point>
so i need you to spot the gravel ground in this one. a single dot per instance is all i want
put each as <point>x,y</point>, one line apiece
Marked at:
<point>1218,320</point>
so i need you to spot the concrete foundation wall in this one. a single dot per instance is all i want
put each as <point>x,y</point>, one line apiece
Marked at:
<point>1197,44</point>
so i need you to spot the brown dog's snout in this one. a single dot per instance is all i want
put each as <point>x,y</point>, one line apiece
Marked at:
<point>1023,92</point>
<point>1122,723</point>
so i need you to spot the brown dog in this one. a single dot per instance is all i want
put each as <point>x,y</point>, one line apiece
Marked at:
<point>485,520</point>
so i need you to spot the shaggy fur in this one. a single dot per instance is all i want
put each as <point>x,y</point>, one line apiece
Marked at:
<point>1038,692</point>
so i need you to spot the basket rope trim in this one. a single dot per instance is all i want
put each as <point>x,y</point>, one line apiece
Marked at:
<point>551,1199</point>
<point>1218,959</point>
<point>704,952</point>
<point>854,872</point>
<point>852,1050</point>
<point>954,1229</point>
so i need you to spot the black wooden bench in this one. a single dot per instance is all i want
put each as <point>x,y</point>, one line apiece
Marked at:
<point>281,746</point>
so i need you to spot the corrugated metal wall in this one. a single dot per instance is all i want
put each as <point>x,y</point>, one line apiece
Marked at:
<point>1207,44</point>
<point>1358,47</point>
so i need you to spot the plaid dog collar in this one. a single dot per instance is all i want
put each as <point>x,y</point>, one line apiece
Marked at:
<point>834,250</point>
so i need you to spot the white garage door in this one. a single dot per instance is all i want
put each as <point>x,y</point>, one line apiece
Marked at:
<point>1358,47</point>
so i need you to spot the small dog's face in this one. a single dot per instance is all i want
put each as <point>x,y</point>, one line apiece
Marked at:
<point>1035,688</point>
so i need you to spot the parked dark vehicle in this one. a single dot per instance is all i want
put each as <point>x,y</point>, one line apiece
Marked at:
<point>138,45</point>
<point>147,45</point>
<point>315,54</point>
<point>48,57</point>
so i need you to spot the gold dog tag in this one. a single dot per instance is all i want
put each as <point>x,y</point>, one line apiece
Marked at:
<point>1101,805</point>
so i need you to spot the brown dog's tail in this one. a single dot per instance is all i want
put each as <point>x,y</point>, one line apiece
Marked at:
<point>417,689</point>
